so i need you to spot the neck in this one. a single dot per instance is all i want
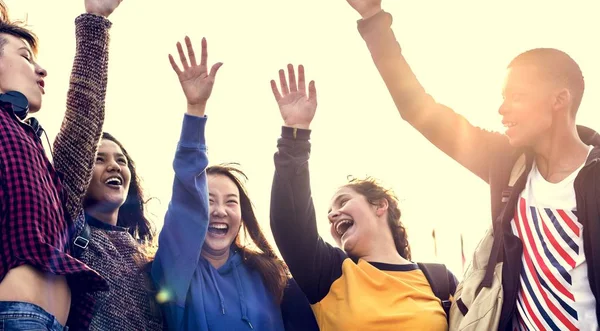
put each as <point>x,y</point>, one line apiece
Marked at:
<point>560,153</point>
<point>384,251</point>
<point>216,259</point>
<point>108,217</point>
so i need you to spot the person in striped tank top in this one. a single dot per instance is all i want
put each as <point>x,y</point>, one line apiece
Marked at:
<point>548,221</point>
<point>555,291</point>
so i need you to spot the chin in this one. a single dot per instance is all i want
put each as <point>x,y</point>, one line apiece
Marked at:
<point>349,248</point>
<point>218,246</point>
<point>35,102</point>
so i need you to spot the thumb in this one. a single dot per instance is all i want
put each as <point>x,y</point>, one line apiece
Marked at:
<point>215,69</point>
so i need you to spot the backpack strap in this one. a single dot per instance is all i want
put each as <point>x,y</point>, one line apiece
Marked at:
<point>442,282</point>
<point>81,241</point>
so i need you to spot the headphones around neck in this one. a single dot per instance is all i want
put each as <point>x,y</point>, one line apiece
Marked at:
<point>20,106</point>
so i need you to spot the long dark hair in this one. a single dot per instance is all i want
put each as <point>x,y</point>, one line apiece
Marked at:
<point>274,272</point>
<point>375,193</point>
<point>132,213</point>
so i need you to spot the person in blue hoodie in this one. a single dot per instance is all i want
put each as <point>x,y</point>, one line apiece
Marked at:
<point>207,277</point>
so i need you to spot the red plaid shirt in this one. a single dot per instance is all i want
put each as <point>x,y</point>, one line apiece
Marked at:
<point>34,228</point>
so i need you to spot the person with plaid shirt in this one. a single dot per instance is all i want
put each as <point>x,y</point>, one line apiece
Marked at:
<point>41,285</point>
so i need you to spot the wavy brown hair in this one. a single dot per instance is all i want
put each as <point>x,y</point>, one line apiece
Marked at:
<point>15,28</point>
<point>375,193</point>
<point>263,259</point>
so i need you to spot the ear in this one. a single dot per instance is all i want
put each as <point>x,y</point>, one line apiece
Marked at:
<point>382,207</point>
<point>562,100</point>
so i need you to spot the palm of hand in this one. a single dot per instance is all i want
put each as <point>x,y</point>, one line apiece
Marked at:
<point>196,84</point>
<point>297,108</point>
<point>195,79</point>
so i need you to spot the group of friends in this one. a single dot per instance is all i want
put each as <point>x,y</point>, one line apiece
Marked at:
<point>78,252</point>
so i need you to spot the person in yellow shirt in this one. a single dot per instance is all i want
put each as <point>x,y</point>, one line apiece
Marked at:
<point>368,284</point>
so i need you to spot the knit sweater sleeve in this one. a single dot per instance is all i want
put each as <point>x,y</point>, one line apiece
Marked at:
<point>76,144</point>
<point>447,130</point>
<point>186,221</point>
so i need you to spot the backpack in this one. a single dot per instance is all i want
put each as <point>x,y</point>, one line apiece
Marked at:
<point>479,297</point>
<point>442,282</point>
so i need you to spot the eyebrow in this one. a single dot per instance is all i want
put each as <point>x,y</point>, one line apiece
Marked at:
<point>117,154</point>
<point>231,195</point>
<point>337,200</point>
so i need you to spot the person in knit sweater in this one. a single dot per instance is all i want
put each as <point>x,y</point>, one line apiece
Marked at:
<point>41,285</point>
<point>119,237</point>
<point>118,255</point>
<point>208,279</point>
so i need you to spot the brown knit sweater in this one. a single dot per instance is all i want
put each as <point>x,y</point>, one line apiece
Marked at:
<point>126,306</point>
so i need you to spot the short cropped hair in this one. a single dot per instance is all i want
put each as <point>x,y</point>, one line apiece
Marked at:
<point>557,66</point>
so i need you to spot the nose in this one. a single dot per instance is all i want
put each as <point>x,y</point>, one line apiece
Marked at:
<point>503,109</point>
<point>113,166</point>
<point>333,215</point>
<point>40,71</point>
<point>218,210</point>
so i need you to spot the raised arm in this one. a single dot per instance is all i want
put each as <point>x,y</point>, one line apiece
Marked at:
<point>313,263</point>
<point>77,141</point>
<point>186,221</point>
<point>449,131</point>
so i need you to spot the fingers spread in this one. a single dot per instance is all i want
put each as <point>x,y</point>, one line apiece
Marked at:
<point>276,93</point>
<point>204,55</point>
<point>292,76</point>
<point>215,69</point>
<point>301,81</point>
<point>283,82</point>
<point>184,62</point>
<point>190,50</point>
<point>312,91</point>
<point>174,65</point>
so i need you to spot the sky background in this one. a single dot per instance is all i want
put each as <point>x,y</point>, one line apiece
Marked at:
<point>458,49</point>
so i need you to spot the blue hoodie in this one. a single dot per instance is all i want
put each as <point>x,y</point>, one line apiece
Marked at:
<point>197,296</point>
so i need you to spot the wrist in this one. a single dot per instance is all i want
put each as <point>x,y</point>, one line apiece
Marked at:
<point>298,126</point>
<point>196,109</point>
<point>371,12</point>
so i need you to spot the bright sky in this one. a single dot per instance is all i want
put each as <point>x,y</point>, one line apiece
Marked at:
<point>458,49</point>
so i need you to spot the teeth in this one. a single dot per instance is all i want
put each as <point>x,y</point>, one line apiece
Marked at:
<point>342,223</point>
<point>509,124</point>
<point>113,181</point>
<point>219,226</point>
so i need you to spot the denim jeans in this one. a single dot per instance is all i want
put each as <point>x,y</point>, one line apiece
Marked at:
<point>24,316</point>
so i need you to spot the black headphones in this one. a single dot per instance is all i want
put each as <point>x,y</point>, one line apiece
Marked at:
<point>20,106</point>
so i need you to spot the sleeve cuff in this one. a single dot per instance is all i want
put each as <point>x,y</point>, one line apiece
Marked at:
<point>93,20</point>
<point>192,130</point>
<point>294,133</point>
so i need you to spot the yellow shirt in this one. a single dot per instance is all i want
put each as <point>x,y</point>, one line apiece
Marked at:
<point>378,296</point>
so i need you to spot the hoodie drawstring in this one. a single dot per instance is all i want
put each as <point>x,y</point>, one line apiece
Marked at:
<point>243,305</point>
<point>212,276</point>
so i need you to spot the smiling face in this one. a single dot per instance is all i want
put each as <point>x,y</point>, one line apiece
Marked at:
<point>355,224</point>
<point>20,72</point>
<point>528,107</point>
<point>225,214</point>
<point>110,179</point>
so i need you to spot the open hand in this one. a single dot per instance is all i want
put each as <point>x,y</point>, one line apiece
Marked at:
<point>366,8</point>
<point>297,109</point>
<point>101,7</point>
<point>196,82</point>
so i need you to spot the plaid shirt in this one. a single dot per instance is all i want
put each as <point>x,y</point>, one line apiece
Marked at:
<point>34,228</point>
